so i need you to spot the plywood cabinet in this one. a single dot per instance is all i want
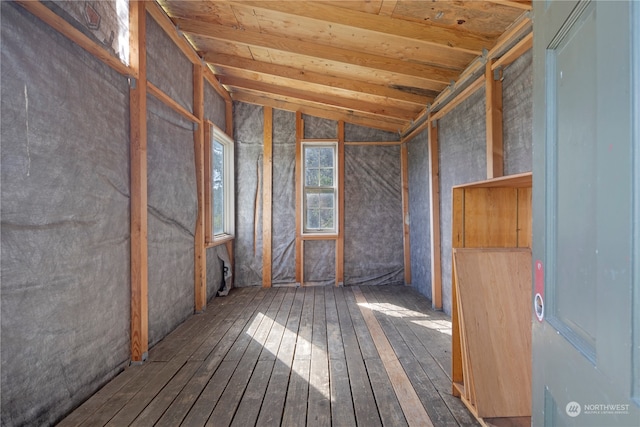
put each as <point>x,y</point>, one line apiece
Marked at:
<point>491,315</point>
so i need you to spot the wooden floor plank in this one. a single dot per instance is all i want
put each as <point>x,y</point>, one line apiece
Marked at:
<point>442,383</point>
<point>122,397</point>
<point>314,356</point>
<point>225,409</point>
<point>364,404</point>
<point>319,403</point>
<point>388,404</point>
<point>305,330</point>
<point>217,344</point>
<point>249,408</point>
<point>342,412</point>
<point>295,408</point>
<point>208,399</point>
<point>161,402</point>
<point>413,409</point>
<point>95,402</point>
<point>274,401</point>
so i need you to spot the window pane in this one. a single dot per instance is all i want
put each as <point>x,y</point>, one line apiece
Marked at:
<point>313,200</point>
<point>326,157</point>
<point>326,200</point>
<point>326,177</point>
<point>312,177</point>
<point>326,219</point>
<point>218,188</point>
<point>313,219</point>
<point>311,157</point>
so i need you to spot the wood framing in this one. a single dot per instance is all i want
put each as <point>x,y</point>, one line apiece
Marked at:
<point>514,53</point>
<point>69,31</point>
<point>459,98</point>
<point>167,26</point>
<point>298,178</point>
<point>170,102</point>
<point>208,234</point>
<point>267,197</point>
<point>340,239</point>
<point>373,143</point>
<point>200,261</point>
<point>434,190</point>
<point>138,152</point>
<point>493,106</point>
<point>404,168</point>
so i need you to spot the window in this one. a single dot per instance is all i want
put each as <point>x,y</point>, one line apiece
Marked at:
<point>320,190</point>
<point>219,192</point>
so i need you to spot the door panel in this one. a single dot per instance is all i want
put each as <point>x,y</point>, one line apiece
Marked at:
<point>583,221</point>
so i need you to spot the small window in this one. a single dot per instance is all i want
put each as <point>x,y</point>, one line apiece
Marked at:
<point>320,198</point>
<point>219,200</point>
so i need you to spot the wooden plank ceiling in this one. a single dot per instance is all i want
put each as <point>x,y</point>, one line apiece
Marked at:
<point>376,63</point>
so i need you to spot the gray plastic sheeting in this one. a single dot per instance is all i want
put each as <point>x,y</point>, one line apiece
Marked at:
<point>172,212</point>
<point>420,213</point>
<point>167,67</point>
<point>283,244</point>
<point>373,244</point>
<point>517,115</point>
<point>355,133</point>
<point>461,138</point>
<point>65,291</point>
<point>248,133</point>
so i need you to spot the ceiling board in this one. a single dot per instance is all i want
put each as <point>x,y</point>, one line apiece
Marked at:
<point>376,63</point>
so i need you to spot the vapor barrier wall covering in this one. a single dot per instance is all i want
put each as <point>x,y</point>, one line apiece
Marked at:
<point>373,248</point>
<point>167,67</point>
<point>284,202</point>
<point>319,128</point>
<point>462,141</point>
<point>105,21</point>
<point>215,107</point>
<point>320,262</point>
<point>172,211</point>
<point>420,213</point>
<point>65,292</point>
<point>355,133</point>
<point>517,115</point>
<point>248,134</point>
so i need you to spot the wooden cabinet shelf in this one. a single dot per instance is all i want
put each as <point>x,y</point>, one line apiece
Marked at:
<point>491,315</point>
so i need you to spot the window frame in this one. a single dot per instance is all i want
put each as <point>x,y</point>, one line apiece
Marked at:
<point>333,144</point>
<point>214,134</point>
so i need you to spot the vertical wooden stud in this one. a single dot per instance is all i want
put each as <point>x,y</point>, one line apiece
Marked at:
<point>404,168</point>
<point>200,267</point>
<point>138,153</point>
<point>340,239</point>
<point>434,181</point>
<point>495,161</point>
<point>267,193</point>
<point>298,178</point>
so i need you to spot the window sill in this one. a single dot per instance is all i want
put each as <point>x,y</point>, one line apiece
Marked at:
<point>320,236</point>
<point>219,241</point>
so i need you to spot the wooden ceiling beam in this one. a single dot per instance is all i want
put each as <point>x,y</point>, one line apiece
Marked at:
<point>251,38</point>
<point>520,4</point>
<point>387,124</point>
<point>326,99</point>
<point>264,68</point>
<point>292,84</point>
<point>429,34</point>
